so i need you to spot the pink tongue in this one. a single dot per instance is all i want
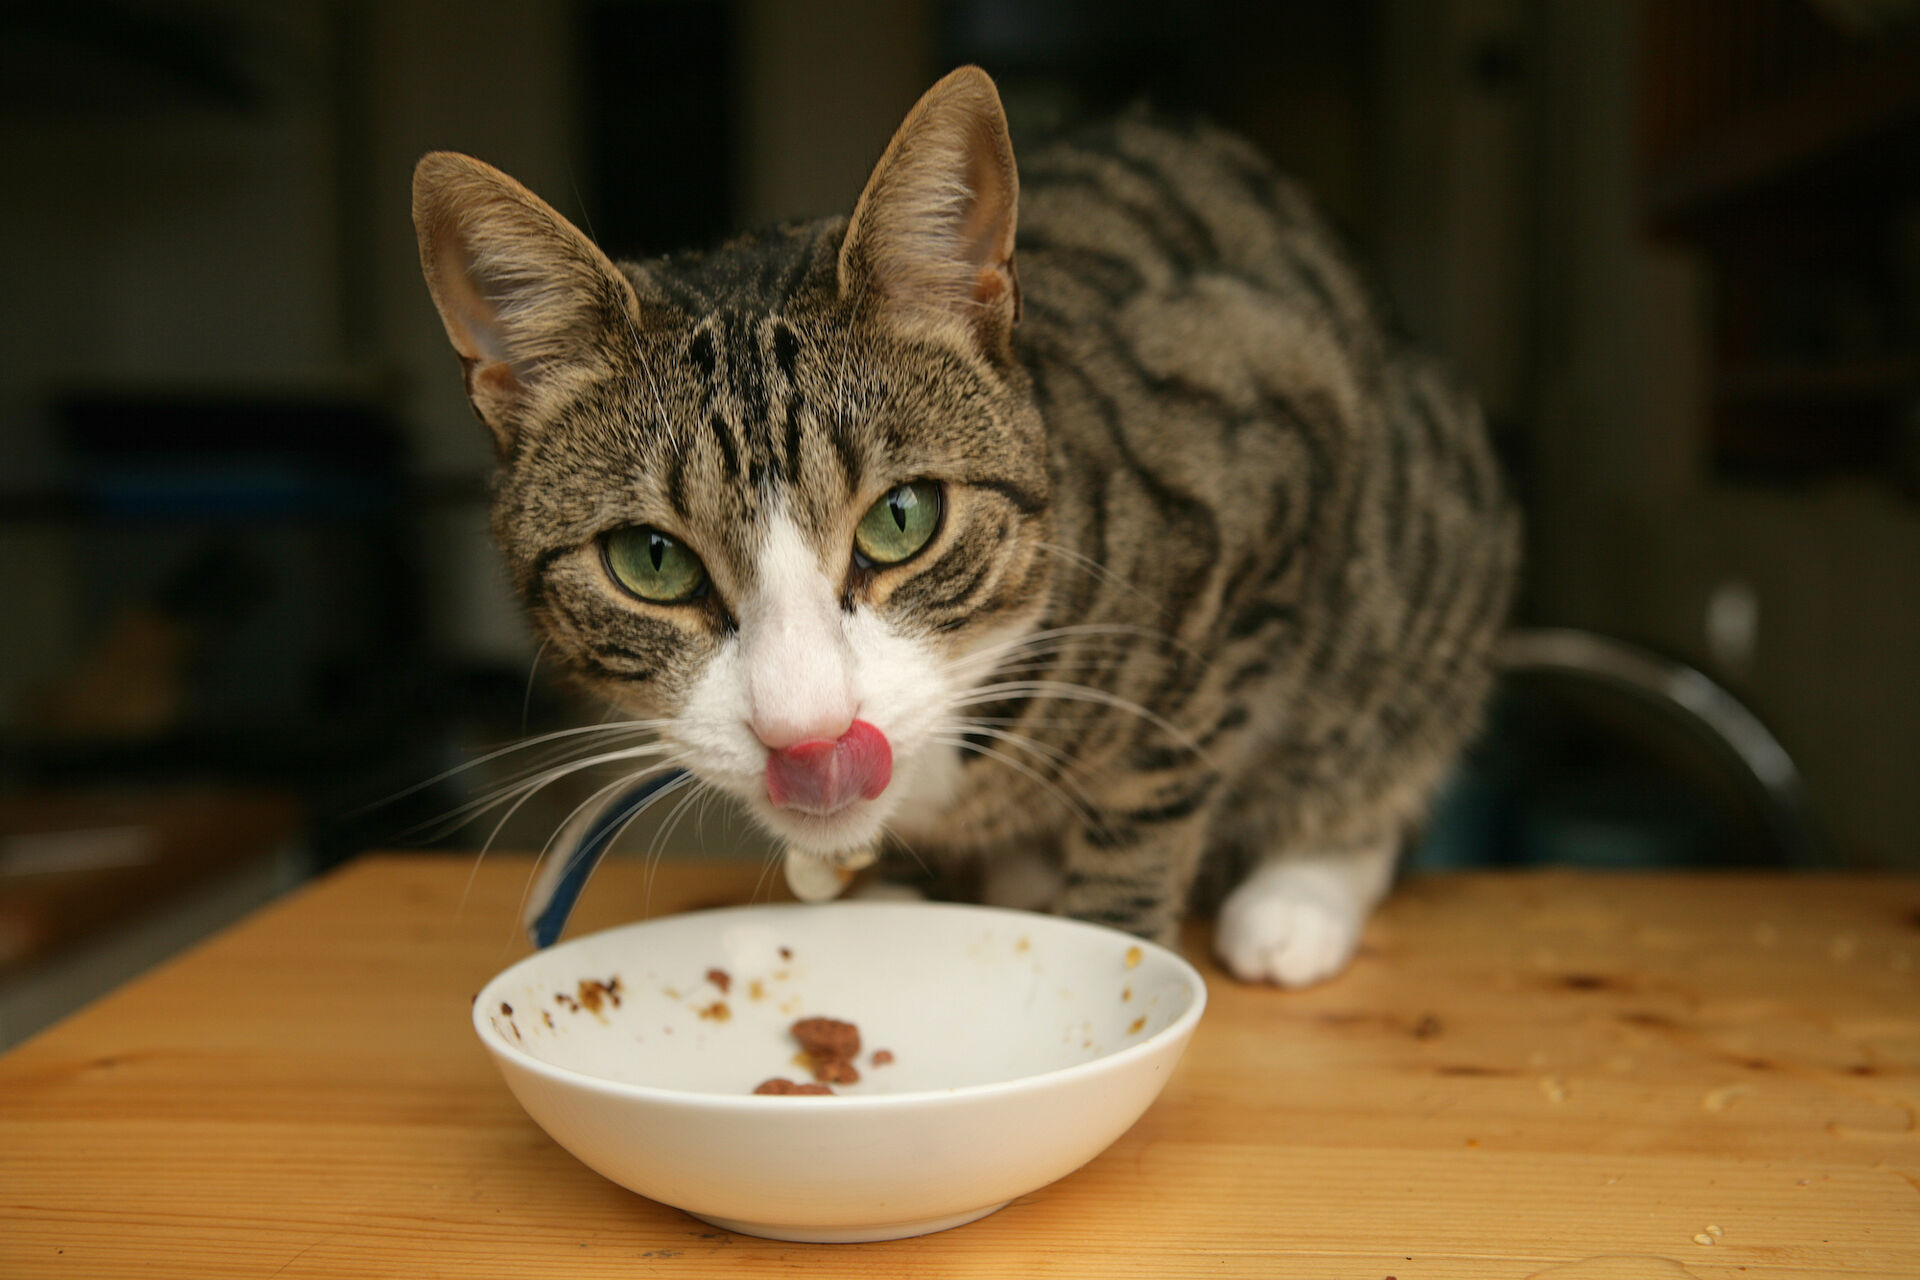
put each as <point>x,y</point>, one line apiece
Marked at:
<point>818,776</point>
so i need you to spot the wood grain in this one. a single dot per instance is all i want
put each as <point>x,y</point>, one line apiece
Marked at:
<point>1552,1075</point>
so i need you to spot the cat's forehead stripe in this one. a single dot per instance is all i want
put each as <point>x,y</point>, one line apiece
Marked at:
<point>770,422</point>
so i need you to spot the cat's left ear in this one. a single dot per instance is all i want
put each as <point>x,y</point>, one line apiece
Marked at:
<point>528,302</point>
<point>931,239</point>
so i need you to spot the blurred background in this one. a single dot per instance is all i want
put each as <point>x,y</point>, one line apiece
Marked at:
<point>248,592</point>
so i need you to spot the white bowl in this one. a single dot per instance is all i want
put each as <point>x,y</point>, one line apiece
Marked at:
<point>1022,1044</point>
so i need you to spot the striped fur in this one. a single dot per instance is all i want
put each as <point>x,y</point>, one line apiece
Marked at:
<point>1223,556</point>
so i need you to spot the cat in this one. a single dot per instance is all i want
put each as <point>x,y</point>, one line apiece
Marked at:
<point>1155,573</point>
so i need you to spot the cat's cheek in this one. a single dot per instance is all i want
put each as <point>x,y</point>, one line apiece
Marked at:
<point>711,728</point>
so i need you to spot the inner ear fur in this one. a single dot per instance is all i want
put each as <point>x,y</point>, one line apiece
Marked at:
<point>526,299</point>
<point>931,239</point>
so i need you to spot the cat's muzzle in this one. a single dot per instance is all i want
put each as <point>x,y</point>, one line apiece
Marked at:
<point>822,776</point>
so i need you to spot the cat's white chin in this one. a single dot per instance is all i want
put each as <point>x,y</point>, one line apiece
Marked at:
<point>843,838</point>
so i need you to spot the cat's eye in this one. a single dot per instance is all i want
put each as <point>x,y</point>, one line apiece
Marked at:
<point>653,566</point>
<point>898,525</point>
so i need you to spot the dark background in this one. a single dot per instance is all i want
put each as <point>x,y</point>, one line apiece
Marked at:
<point>242,525</point>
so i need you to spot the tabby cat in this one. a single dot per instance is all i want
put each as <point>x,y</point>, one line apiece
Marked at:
<point>1154,568</point>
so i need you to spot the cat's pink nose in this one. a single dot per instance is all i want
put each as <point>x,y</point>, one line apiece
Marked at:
<point>822,776</point>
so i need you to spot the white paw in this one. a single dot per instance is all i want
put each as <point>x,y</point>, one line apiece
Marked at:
<point>1289,926</point>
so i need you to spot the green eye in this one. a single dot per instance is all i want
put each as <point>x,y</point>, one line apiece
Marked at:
<point>653,566</point>
<point>898,525</point>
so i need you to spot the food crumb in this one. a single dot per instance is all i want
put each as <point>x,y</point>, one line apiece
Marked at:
<point>882,1057</point>
<point>716,1012</point>
<point>1126,994</point>
<point>506,1008</point>
<point>1715,1232</point>
<point>1554,1088</point>
<point>1138,1023</point>
<point>721,979</point>
<point>756,991</point>
<point>594,993</point>
<point>830,1046</point>
<point>1133,957</point>
<point>780,1085</point>
<point>786,953</point>
<point>1721,1099</point>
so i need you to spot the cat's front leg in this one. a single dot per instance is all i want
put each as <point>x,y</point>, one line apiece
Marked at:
<point>1133,877</point>
<point>1297,919</point>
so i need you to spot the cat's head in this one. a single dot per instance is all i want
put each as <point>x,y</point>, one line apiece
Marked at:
<point>785,497</point>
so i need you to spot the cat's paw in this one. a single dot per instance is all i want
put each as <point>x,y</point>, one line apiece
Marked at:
<point>1288,926</point>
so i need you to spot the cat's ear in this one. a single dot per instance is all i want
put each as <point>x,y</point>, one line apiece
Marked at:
<point>931,239</point>
<point>527,300</point>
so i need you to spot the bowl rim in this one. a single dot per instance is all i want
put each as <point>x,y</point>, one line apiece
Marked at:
<point>1177,1030</point>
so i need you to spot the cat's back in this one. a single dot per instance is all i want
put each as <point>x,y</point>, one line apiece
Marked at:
<point>1243,441</point>
<point>1141,208</point>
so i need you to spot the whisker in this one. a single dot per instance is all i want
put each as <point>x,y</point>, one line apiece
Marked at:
<point>1066,762</point>
<point>526,701</point>
<point>1061,637</point>
<point>1070,692</point>
<point>656,847</point>
<point>1079,810</point>
<point>893,835</point>
<point>1093,568</point>
<point>526,784</point>
<point>599,798</point>
<point>527,794</point>
<point>767,864</point>
<point>629,726</point>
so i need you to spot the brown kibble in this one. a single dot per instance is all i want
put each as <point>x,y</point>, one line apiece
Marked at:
<point>882,1057</point>
<point>594,993</point>
<point>721,979</point>
<point>827,1037</point>
<point>830,1046</point>
<point>835,1071</point>
<point>780,1085</point>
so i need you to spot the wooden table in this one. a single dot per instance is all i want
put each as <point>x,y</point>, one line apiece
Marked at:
<point>1554,1075</point>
